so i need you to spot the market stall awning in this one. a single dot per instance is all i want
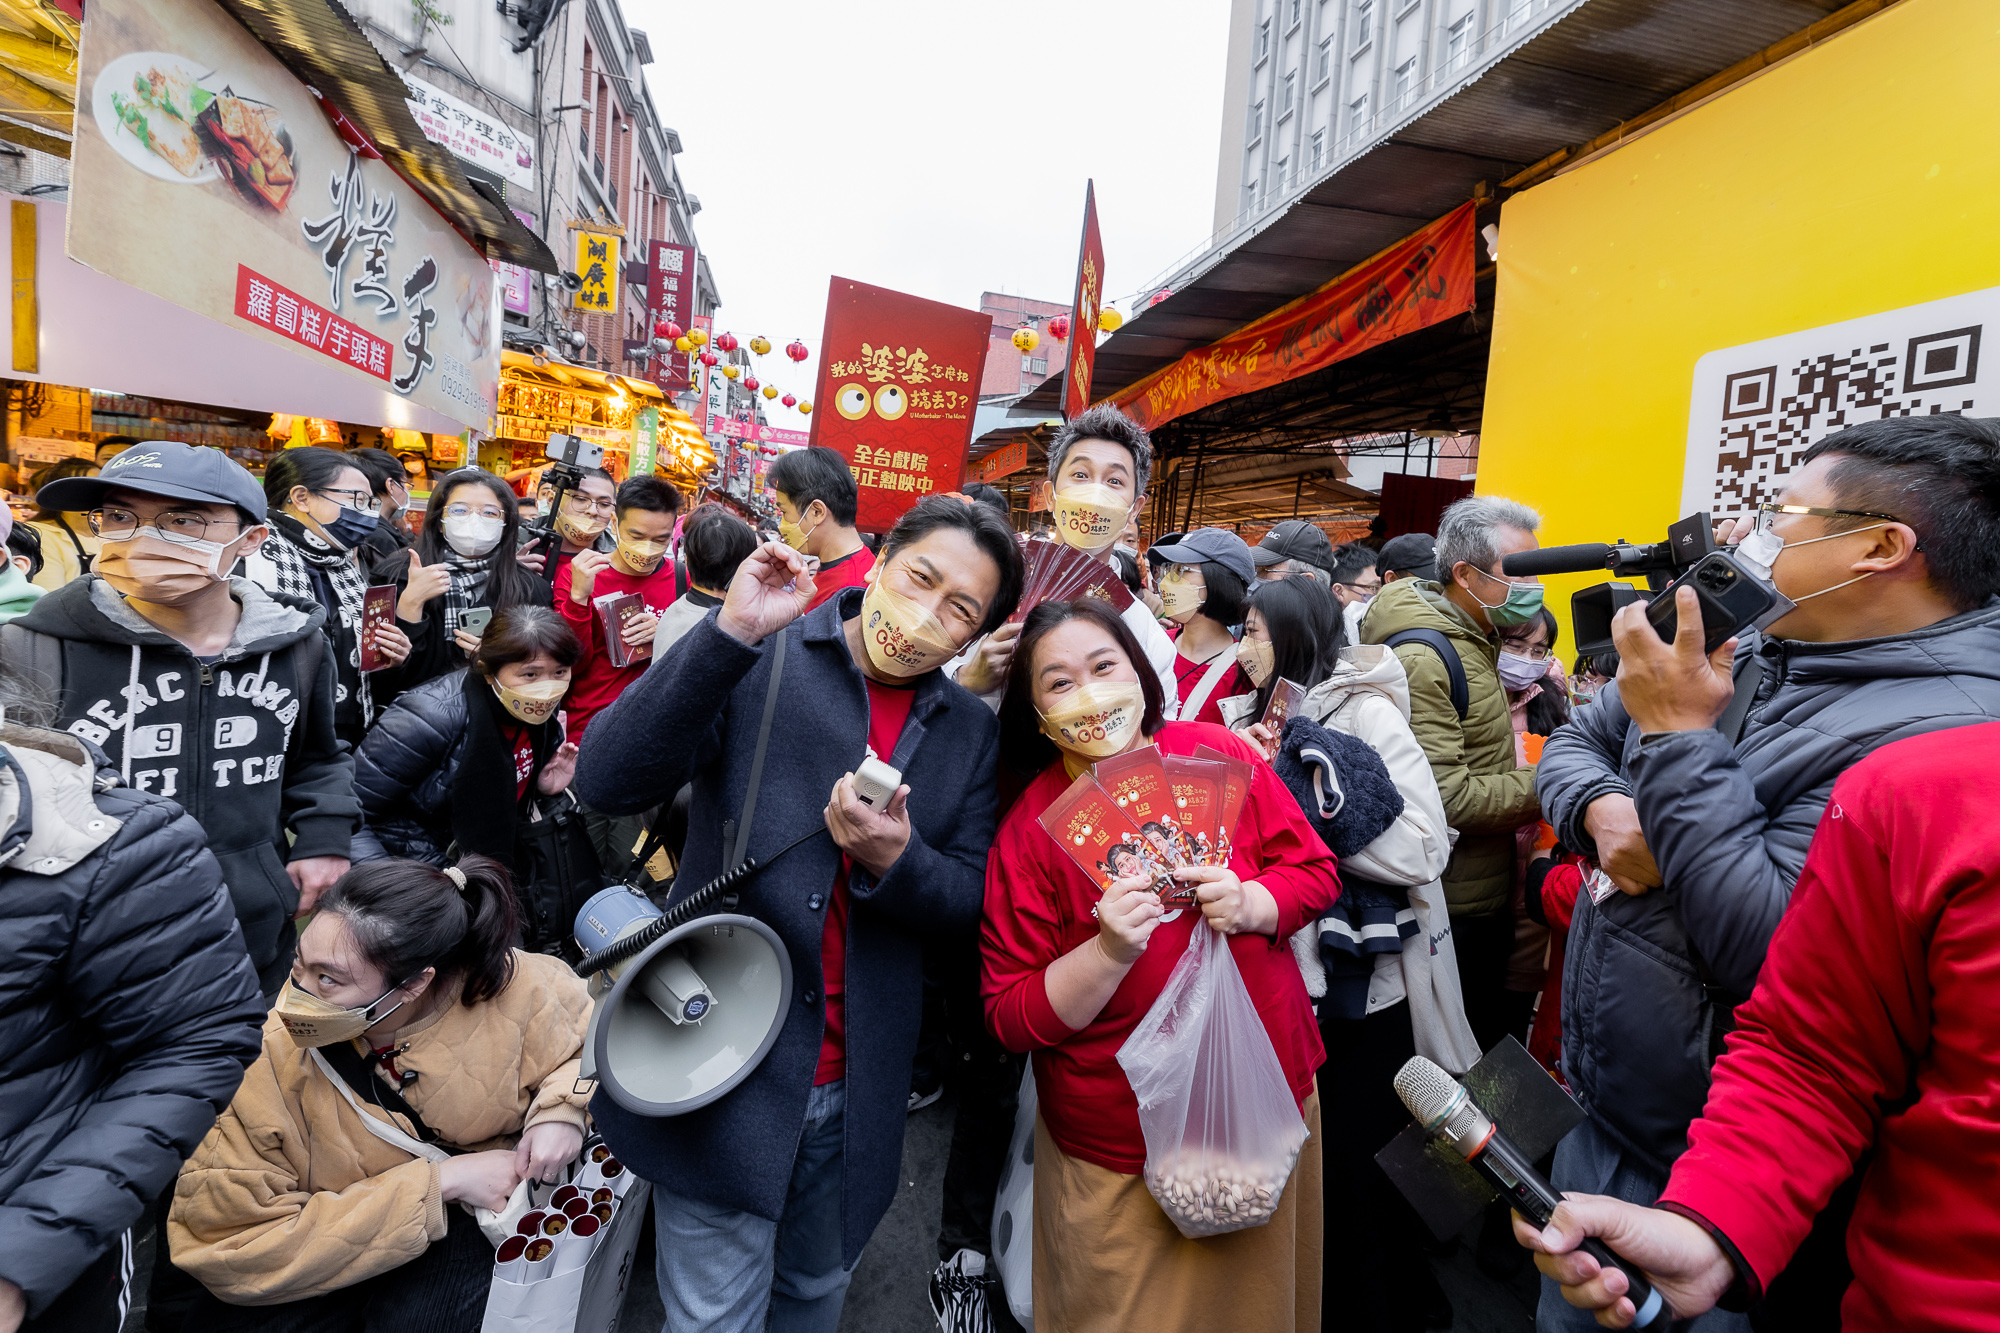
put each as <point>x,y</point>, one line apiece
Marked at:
<point>522,365</point>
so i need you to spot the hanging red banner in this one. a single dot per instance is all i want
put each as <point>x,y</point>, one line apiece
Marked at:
<point>898,382</point>
<point>1083,310</point>
<point>1420,280</point>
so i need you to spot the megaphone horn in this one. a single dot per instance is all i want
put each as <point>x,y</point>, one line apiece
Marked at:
<point>693,1006</point>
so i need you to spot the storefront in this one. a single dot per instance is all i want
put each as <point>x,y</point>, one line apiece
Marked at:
<point>639,429</point>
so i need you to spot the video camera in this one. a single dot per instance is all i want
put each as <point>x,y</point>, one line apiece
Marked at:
<point>1734,591</point>
<point>568,456</point>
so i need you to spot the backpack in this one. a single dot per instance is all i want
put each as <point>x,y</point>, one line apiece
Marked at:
<point>1461,693</point>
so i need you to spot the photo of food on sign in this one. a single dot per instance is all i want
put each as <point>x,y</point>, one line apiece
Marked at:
<point>162,114</point>
<point>901,374</point>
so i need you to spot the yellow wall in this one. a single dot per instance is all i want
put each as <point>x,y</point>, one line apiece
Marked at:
<point>1861,176</point>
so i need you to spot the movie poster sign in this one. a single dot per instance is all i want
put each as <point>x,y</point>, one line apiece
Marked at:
<point>205,173</point>
<point>898,384</point>
<point>1083,310</point>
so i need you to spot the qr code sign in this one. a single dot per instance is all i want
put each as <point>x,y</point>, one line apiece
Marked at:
<point>1757,407</point>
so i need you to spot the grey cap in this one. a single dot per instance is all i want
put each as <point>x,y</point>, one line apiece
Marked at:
<point>1221,545</point>
<point>1411,553</point>
<point>1295,539</point>
<point>166,468</point>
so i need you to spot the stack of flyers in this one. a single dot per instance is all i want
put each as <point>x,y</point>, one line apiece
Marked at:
<point>1198,786</point>
<point>614,611</point>
<point>1059,573</point>
<point>1235,794</point>
<point>1286,697</point>
<point>1087,823</point>
<point>1147,811</point>
<point>1137,782</point>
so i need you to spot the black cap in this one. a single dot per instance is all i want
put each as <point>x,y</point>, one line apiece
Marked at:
<point>1221,545</point>
<point>1411,553</point>
<point>1295,539</point>
<point>166,468</point>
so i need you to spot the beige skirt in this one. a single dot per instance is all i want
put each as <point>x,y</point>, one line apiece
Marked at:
<point>1107,1259</point>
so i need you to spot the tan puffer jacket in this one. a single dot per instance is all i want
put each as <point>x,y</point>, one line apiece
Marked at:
<point>291,1196</point>
<point>1485,796</point>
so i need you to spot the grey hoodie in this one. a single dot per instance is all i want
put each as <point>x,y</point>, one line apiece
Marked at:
<point>231,740</point>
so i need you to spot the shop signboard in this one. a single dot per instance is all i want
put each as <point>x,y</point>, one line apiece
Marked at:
<point>1420,280</point>
<point>1002,462</point>
<point>756,433</point>
<point>597,265</point>
<point>1083,310</point>
<point>477,135</point>
<point>898,384</point>
<point>515,280</point>
<point>670,296</point>
<point>645,441</point>
<point>205,173</point>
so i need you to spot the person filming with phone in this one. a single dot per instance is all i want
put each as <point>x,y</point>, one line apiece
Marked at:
<point>1697,778</point>
<point>764,1198</point>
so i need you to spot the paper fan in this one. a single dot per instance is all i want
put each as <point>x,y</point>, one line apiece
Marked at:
<point>1059,573</point>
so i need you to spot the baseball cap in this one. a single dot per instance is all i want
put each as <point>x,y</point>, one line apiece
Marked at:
<point>166,468</point>
<point>1221,545</point>
<point>1294,539</point>
<point>1412,553</point>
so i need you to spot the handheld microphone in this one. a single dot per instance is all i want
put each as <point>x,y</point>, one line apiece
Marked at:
<point>1445,1110</point>
<point>1580,559</point>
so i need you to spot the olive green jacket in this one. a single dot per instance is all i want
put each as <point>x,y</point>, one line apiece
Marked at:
<point>1485,796</point>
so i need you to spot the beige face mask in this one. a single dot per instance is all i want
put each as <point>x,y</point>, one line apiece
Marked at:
<point>532,704</point>
<point>1180,595</point>
<point>311,1021</point>
<point>641,557</point>
<point>900,637</point>
<point>1257,657</point>
<point>160,572</point>
<point>1090,517</point>
<point>582,531</point>
<point>1098,720</point>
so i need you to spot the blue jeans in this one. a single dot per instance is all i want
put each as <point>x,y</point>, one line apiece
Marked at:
<point>720,1268</point>
<point>1588,1161</point>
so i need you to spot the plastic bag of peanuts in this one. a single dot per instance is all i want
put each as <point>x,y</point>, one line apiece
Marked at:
<point>1222,1131</point>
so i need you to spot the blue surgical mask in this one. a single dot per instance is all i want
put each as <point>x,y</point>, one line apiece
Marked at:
<point>351,527</point>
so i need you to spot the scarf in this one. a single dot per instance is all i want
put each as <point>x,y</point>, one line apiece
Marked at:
<point>468,584</point>
<point>311,567</point>
<point>484,812</point>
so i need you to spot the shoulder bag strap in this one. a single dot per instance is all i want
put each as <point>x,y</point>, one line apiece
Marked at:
<point>1454,669</point>
<point>741,848</point>
<point>1730,724</point>
<point>343,1065</point>
<point>1210,679</point>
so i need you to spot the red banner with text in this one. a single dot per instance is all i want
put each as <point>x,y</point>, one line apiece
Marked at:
<point>898,383</point>
<point>1083,310</point>
<point>1422,279</point>
<point>670,298</point>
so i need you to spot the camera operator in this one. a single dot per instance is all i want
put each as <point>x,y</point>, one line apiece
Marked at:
<point>582,522</point>
<point>765,1197</point>
<point>1891,533</point>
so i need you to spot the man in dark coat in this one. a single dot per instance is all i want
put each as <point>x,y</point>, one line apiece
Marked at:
<point>793,1168</point>
<point>1887,538</point>
<point>128,1013</point>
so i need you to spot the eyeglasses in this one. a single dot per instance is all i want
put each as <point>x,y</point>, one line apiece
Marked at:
<point>1768,513</point>
<point>352,499</point>
<point>578,503</point>
<point>467,511</point>
<point>183,527</point>
<point>1365,589</point>
<point>1520,648</point>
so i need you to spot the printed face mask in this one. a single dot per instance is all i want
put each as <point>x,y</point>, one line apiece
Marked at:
<point>1522,603</point>
<point>900,637</point>
<point>1518,671</point>
<point>795,536</point>
<point>1258,658</point>
<point>532,704</point>
<point>1098,720</point>
<point>473,535</point>
<point>581,530</point>
<point>1181,593</point>
<point>1089,517</point>
<point>154,570</point>
<point>641,557</point>
<point>311,1021</point>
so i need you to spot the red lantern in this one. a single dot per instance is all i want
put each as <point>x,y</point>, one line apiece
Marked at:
<point>797,351</point>
<point>726,341</point>
<point>1160,296</point>
<point>709,358</point>
<point>667,329</point>
<point>750,383</point>
<point>788,400</point>
<point>1059,328</point>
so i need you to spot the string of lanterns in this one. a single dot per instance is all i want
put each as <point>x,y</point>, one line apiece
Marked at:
<point>668,335</point>
<point>1026,339</point>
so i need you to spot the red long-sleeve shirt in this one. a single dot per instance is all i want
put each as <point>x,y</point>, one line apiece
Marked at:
<point>1882,982</point>
<point>595,682</point>
<point>1038,905</point>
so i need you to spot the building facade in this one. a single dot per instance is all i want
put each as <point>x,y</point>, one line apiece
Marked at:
<point>1009,371</point>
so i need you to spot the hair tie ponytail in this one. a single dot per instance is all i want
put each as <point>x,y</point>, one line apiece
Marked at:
<point>456,876</point>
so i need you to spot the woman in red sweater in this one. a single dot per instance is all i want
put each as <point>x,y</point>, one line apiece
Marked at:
<point>1069,971</point>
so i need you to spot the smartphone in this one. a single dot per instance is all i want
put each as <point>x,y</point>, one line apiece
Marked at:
<point>1731,597</point>
<point>378,610</point>
<point>475,619</point>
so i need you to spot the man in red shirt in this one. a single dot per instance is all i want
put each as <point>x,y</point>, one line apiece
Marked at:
<point>637,564</point>
<point>816,506</point>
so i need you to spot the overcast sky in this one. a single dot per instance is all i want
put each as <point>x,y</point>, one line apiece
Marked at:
<point>938,149</point>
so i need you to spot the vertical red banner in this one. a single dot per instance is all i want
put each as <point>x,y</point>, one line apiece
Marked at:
<point>898,383</point>
<point>1083,310</point>
<point>670,296</point>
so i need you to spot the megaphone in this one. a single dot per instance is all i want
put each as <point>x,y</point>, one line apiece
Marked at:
<point>686,1019</point>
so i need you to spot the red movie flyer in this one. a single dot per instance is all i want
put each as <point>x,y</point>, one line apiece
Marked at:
<point>1285,700</point>
<point>378,611</point>
<point>1137,781</point>
<point>1086,821</point>
<point>1197,786</point>
<point>614,611</point>
<point>1235,794</point>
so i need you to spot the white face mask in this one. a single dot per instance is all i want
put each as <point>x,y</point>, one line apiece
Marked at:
<point>1518,671</point>
<point>473,535</point>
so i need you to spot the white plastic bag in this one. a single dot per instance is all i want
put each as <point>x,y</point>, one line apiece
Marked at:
<point>1014,1210</point>
<point>1222,1131</point>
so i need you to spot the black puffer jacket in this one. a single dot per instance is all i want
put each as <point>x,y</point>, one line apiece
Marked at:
<point>404,770</point>
<point>1729,827</point>
<point>128,1006</point>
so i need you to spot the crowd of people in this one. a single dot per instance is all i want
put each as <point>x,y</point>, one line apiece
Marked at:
<point>298,800</point>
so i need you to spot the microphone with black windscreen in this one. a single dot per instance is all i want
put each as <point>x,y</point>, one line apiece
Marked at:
<point>1580,559</point>
<point>1445,1111</point>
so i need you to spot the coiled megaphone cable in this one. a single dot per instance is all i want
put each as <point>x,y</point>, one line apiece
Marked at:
<point>682,912</point>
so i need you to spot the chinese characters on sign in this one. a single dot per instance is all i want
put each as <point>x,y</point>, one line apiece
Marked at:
<point>895,374</point>
<point>597,265</point>
<point>1083,311</point>
<point>670,296</point>
<point>480,137</point>
<point>515,284</point>
<point>1002,462</point>
<point>263,302</point>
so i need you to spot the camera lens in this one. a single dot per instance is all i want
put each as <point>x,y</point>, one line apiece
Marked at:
<point>1716,577</point>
